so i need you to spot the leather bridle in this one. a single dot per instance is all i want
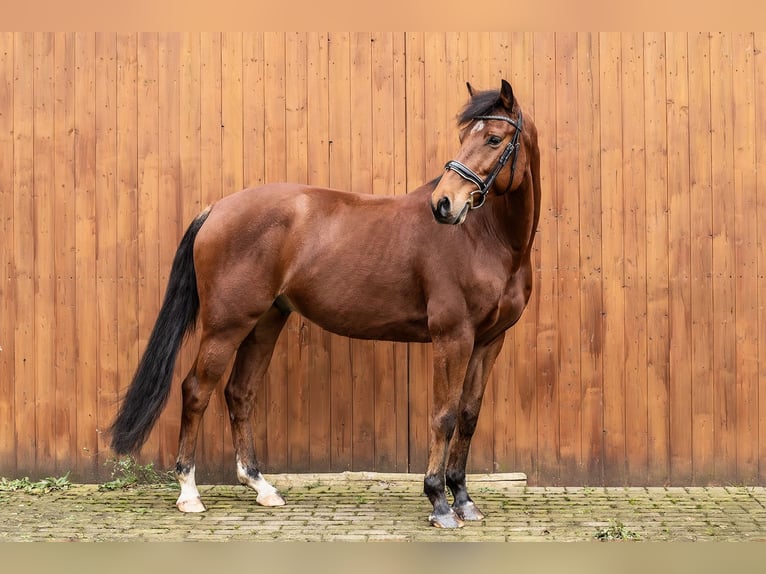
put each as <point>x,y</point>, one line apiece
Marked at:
<point>478,196</point>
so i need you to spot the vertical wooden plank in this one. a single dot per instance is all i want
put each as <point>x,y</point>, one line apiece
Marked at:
<point>420,373</point>
<point>480,457</point>
<point>724,260</point>
<point>362,352</point>
<point>591,337</point>
<point>340,178</point>
<point>657,303</point>
<point>254,141</point>
<point>45,285</point>
<point>502,375</point>
<point>525,331</point>
<point>612,225</point>
<point>547,341</point>
<point>401,183</point>
<point>106,234</point>
<point>275,170</point>
<point>212,430</point>
<point>318,340</point>
<point>232,180</point>
<point>190,174</point>
<point>634,245</point>
<point>24,252</point>
<point>127,209</point>
<point>296,125</point>
<point>168,213</point>
<point>383,166</point>
<point>691,452</point>
<point>86,313</point>
<point>760,152</point>
<point>567,210</point>
<point>7,281</point>
<point>148,202</point>
<point>64,257</point>
<point>745,257</point>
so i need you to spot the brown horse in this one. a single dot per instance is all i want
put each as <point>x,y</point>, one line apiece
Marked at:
<point>360,266</point>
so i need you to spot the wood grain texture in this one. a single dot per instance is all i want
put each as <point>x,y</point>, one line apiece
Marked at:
<point>640,359</point>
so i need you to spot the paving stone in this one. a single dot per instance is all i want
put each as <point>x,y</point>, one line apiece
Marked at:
<point>367,507</point>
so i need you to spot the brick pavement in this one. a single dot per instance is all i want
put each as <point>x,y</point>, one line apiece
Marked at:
<point>368,507</point>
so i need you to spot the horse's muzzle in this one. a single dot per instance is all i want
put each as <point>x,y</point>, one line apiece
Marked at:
<point>443,212</point>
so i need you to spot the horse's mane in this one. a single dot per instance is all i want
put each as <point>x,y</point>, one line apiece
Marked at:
<point>480,104</point>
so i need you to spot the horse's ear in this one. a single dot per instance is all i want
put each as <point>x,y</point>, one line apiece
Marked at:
<point>506,95</point>
<point>470,89</point>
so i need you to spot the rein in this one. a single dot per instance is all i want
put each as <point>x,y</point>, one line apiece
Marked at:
<point>480,195</point>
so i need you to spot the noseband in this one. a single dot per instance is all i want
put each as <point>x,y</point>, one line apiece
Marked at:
<point>478,196</point>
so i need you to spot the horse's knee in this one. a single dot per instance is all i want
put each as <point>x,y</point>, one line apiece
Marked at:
<point>468,419</point>
<point>445,422</point>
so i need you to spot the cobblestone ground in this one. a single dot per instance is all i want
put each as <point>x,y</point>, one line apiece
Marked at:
<point>385,507</point>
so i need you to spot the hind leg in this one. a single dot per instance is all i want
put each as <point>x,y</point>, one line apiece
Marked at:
<point>215,352</point>
<point>253,359</point>
<point>481,363</point>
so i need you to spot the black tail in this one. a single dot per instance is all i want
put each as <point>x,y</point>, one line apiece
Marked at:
<point>150,387</point>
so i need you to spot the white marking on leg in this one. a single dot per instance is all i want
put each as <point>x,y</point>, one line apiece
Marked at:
<point>267,494</point>
<point>189,499</point>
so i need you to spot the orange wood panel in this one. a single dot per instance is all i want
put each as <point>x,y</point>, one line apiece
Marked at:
<point>591,307</point>
<point>341,389</point>
<point>149,288</point>
<point>106,235</point>
<point>724,258</point>
<point>317,363</point>
<point>296,128</point>
<point>691,377</point>
<point>275,170</point>
<point>420,356</point>
<point>362,352</point>
<point>634,242</point>
<point>525,331</point>
<point>7,282</point>
<point>568,213</point>
<point>64,257</point>
<point>547,342</point>
<point>657,265</point>
<point>745,256</point>
<point>45,281</point>
<point>86,312</point>
<point>613,257</point>
<point>760,152</point>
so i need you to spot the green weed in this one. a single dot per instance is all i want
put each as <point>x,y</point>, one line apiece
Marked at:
<point>127,473</point>
<point>616,531</point>
<point>43,486</point>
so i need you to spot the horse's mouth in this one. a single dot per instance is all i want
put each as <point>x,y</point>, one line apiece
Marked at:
<point>457,220</point>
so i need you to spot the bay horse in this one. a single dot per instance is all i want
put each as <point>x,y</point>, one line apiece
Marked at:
<point>448,263</point>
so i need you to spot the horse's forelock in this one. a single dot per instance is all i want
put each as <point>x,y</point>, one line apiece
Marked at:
<point>481,104</point>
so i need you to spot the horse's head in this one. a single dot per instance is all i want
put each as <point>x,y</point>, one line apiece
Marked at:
<point>491,155</point>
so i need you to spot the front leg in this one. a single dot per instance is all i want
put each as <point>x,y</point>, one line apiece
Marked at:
<point>479,367</point>
<point>450,362</point>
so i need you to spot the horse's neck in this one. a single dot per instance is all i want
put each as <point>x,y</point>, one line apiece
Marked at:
<point>511,217</point>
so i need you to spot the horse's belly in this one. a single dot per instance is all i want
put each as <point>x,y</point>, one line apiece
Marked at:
<point>364,319</point>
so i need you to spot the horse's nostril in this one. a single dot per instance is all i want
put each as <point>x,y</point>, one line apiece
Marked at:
<point>443,207</point>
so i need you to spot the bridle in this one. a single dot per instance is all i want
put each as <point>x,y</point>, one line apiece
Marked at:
<point>477,197</point>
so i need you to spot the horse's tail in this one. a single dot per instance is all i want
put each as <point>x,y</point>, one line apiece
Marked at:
<point>150,388</point>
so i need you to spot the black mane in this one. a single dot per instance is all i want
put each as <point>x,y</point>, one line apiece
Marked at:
<point>481,104</point>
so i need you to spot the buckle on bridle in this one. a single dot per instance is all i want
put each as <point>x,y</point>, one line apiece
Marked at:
<point>481,194</point>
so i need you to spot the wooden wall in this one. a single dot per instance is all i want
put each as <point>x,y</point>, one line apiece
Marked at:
<point>640,360</point>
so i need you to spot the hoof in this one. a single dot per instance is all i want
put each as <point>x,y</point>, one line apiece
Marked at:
<point>450,520</point>
<point>469,511</point>
<point>191,505</point>
<point>270,499</point>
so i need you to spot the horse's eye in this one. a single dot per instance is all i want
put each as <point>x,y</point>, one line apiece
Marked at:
<point>494,140</point>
